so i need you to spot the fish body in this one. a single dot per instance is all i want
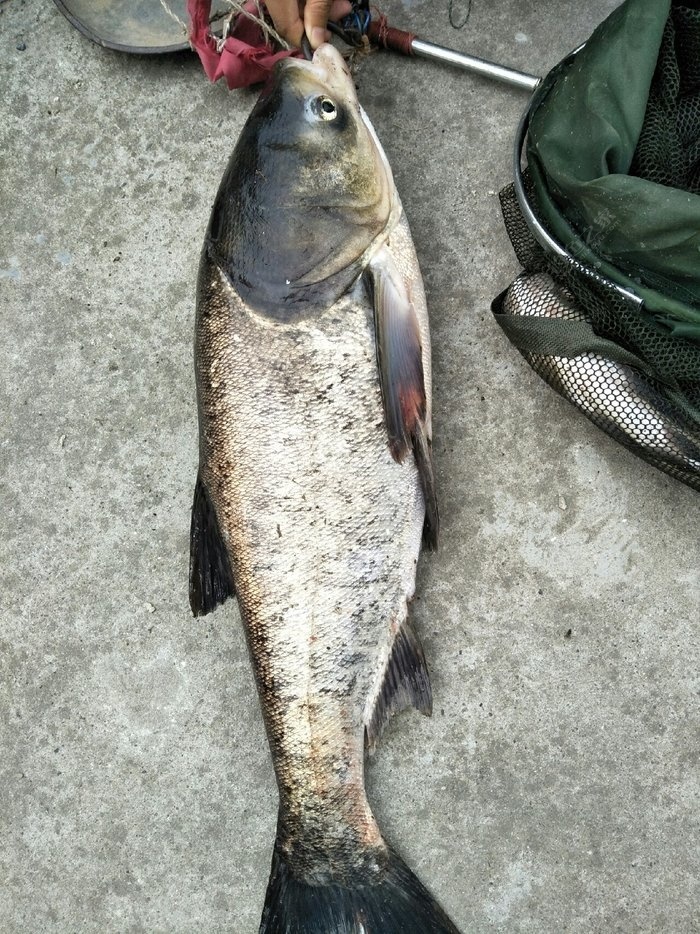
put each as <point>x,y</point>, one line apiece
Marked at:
<point>315,485</point>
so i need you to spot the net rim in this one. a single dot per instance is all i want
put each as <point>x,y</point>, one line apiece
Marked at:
<point>549,243</point>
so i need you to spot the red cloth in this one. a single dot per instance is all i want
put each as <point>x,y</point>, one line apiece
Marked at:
<point>245,57</point>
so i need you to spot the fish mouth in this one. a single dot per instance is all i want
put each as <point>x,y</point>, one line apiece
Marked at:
<point>327,66</point>
<point>330,61</point>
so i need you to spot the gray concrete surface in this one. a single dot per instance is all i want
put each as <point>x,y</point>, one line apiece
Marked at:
<point>556,787</point>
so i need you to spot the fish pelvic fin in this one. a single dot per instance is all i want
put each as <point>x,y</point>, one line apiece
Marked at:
<point>406,683</point>
<point>396,902</point>
<point>211,578</point>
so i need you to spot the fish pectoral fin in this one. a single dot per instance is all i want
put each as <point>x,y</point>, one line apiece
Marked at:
<point>399,353</point>
<point>400,363</point>
<point>406,684</point>
<point>211,578</point>
<point>422,449</point>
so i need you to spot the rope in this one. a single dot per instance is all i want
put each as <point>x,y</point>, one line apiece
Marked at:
<point>455,22</point>
<point>236,8</point>
<point>185,27</point>
<point>356,25</point>
<point>270,33</point>
<point>384,35</point>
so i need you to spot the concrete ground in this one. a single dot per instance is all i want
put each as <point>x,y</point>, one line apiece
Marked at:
<point>556,787</point>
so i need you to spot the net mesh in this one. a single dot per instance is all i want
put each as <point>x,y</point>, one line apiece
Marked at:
<point>668,150</point>
<point>631,407</point>
<point>654,408</point>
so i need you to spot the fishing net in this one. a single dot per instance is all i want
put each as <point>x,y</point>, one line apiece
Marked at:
<point>606,223</point>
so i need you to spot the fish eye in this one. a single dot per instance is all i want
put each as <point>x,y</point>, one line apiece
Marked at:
<point>328,108</point>
<point>325,108</point>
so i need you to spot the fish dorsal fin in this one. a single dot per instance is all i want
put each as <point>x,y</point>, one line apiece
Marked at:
<point>211,579</point>
<point>400,363</point>
<point>406,683</point>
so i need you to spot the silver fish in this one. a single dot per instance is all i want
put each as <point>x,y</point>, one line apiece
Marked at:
<point>315,484</point>
<point>615,396</point>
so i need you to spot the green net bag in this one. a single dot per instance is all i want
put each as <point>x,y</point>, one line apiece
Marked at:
<point>606,223</point>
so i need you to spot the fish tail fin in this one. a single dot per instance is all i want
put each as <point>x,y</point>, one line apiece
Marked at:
<point>396,903</point>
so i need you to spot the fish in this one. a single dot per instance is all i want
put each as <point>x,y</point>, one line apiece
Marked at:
<point>618,397</point>
<point>315,490</point>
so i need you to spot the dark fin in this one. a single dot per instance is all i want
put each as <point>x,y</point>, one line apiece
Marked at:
<point>400,362</point>
<point>406,684</point>
<point>422,449</point>
<point>211,580</point>
<point>397,903</point>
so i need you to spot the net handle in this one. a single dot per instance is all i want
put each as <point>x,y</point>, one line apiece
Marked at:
<point>539,232</point>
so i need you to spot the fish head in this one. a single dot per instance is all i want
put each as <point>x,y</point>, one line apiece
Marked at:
<point>338,159</point>
<point>308,194</point>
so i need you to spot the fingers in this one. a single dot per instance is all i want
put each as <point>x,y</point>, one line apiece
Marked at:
<point>316,15</point>
<point>288,22</point>
<point>339,9</point>
<point>315,18</point>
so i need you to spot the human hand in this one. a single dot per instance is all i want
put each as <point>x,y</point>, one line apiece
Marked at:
<point>287,17</point>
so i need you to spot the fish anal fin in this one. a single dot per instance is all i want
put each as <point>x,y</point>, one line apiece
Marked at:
<point>406,684</point>
<point>211,578</point>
